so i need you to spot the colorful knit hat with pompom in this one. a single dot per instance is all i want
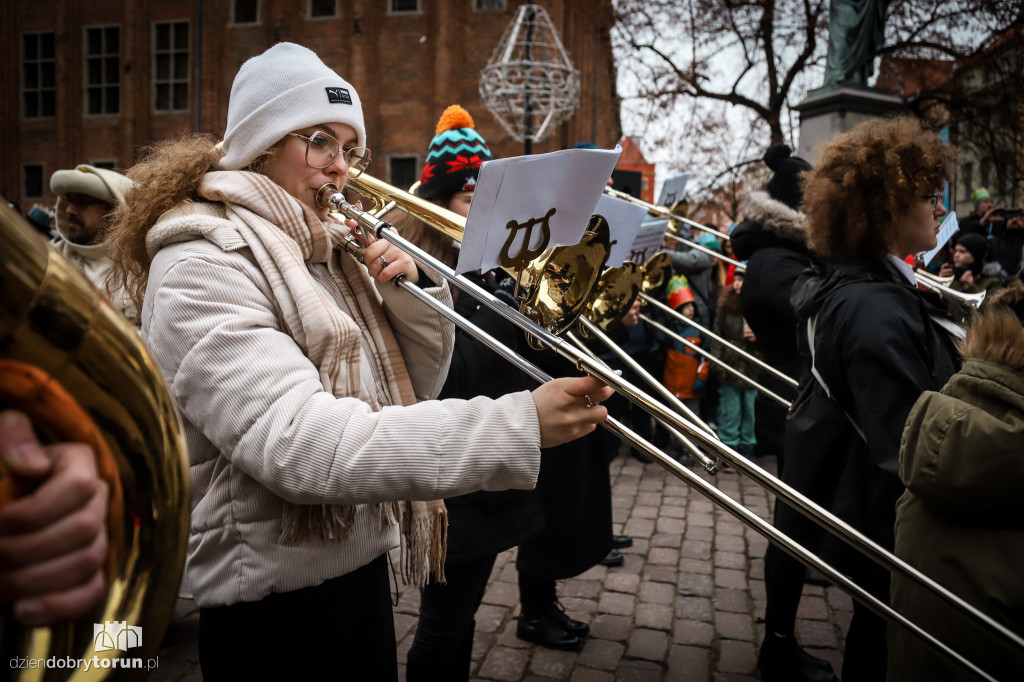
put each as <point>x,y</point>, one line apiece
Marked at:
<point>677,291</point>
<point>453,161</point>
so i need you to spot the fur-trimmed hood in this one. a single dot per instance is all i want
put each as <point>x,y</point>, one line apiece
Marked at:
<point>767,222</point>
<point>774,216</point>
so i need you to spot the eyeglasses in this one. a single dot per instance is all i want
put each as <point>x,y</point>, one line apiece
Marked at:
<point>933,199</point>
<point>322,149</point>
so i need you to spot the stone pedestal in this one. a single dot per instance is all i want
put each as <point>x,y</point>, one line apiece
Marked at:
<point>826,113</point>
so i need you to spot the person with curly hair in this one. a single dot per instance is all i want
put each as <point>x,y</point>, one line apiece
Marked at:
<point>873,339</point>
<point>305,380</point>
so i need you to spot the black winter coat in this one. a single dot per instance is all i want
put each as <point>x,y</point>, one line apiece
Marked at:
<point>877,348</point>
<point>483,522</point>
<point>773,240</point>
<point>563,527</point>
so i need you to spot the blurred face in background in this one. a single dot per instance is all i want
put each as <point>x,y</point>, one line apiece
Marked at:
<point>88,217</point>
<point>961,256</point>
<point>459,203</point>
<point>632,317</point>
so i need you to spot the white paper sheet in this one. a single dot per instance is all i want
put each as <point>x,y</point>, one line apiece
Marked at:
<point>648,240</point>
<point>946,230</point>
<point>672,189</point>
<point>515,197</point>
<point>624,221</point>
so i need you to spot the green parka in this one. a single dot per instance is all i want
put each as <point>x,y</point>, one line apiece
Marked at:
<point>961,520</point>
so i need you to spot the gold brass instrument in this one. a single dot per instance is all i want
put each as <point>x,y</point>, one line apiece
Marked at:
<point>554,288</point>
<point>58,328</point>
<point>657,271</point>
<point>382,229</point>
<point>614,295</point>
<point>616,291</point>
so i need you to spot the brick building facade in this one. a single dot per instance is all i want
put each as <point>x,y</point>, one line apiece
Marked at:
<point>94,82</point>
<point>632,159</point>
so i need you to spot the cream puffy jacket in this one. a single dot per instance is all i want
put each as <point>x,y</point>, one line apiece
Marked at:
<point>260,428</point>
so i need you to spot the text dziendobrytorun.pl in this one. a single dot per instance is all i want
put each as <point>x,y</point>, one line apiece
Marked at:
<point>85,664</point>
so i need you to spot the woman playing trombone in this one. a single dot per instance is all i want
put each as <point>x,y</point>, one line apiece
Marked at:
<point>304,378</point>
<point>874,340</point>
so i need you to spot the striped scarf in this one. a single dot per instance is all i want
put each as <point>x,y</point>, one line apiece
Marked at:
<point>284,236</point>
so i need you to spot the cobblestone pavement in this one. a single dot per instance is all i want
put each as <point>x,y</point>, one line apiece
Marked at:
<point>685,606</point>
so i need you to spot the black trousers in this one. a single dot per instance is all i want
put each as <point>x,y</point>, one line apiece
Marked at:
<point>537,595</point>
<point>443,646</point>
<point>342,629</point>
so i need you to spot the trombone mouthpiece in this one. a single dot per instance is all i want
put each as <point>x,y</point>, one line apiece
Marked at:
<point>328,196</point>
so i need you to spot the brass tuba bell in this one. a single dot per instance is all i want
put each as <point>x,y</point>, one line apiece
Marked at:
<point>60,334</point>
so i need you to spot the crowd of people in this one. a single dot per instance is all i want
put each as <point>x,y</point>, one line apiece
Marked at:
<point>330,418</point>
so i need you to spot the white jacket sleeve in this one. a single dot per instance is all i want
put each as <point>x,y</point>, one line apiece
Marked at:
<point>250,390</point>
<point>425,337</point>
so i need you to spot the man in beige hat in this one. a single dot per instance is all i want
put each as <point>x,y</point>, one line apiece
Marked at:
<point>86,199</point>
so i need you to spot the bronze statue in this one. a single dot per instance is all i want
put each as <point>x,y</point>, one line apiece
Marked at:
<point>856,31</point>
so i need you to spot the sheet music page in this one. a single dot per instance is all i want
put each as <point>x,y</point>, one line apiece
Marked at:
<point>624,220</point>
<point>648,240</point>
<point>946,230</point>
<point>672,189</point>
<point>526,204</point>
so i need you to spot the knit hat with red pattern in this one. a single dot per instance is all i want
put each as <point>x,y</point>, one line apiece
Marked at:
<point>678,292</point>
<point>455,155</point>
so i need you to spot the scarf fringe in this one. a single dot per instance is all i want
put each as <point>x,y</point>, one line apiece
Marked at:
<point>332,522</point>
<point>424,542</point>
<point>424,527</point>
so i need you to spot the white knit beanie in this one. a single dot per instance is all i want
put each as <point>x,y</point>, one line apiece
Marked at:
<point>284,89</point>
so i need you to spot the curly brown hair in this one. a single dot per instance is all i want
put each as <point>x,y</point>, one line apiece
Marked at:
<point>167,176</point>
<point>866,182</point>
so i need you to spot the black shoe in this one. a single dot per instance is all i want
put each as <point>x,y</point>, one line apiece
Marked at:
<point>621,541</point>
<point>614,558</point>
<point>559,617</point>
<point>544,632</point>
<point>783,660</point>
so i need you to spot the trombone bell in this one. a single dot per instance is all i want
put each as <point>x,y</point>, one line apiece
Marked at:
<point>657,271</point>
<point>616,291</point>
